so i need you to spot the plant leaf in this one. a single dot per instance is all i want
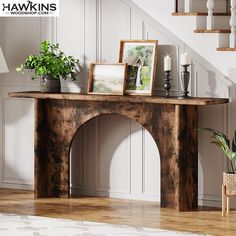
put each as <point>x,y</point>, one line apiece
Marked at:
<point>234,142</point>
<point>222,141</point>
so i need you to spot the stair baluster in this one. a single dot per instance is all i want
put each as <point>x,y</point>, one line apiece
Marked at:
<point>176,6</point>
<point>233,24</point>
<point>210,17</point>
<point>188,6</point>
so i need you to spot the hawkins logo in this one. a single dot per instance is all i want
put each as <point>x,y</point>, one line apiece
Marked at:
<point>16,8</point>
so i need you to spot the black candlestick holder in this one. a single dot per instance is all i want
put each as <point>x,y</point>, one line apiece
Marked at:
<point>185,76</point>
<point>167,84</point>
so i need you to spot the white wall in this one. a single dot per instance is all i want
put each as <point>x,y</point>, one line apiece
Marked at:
<point>112,155</point>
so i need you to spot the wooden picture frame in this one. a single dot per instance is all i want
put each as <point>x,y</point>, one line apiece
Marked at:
<point>141,58</point>
<point>107,78</point>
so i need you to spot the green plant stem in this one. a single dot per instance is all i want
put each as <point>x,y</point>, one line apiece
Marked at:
<point>232,167</point>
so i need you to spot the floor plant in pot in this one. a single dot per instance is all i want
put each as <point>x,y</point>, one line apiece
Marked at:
<point>50,65</point>
<point>229,176</point>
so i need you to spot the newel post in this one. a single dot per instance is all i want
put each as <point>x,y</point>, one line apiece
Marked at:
<point>233,24</point>
<point>210,17</point>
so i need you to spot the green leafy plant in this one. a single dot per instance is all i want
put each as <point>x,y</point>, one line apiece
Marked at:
<point>51,62</point>
<point>229,148</point>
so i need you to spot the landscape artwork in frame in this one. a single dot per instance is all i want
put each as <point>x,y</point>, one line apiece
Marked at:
<point>141,58</point>
<point>107,79</point>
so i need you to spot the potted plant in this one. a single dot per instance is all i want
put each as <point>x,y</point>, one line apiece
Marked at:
<point>50,65</point>
<point>229,177</point>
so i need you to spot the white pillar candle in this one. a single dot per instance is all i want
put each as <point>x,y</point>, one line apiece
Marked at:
<point>167,63</point>
<point>185,59</point>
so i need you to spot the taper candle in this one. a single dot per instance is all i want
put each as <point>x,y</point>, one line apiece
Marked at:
<point>167,63</point>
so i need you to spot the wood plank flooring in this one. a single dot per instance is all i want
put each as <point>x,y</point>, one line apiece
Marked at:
<point>106,210</point>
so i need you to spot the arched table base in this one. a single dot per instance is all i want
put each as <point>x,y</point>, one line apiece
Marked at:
<point>171,122</point>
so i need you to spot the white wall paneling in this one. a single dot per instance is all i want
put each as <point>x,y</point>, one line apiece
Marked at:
<point>150,165</point>
<point>69,33</point>
<point>17,144</point>
<point>22,37</point>
<point>118,19</point>
<point>17,152</point>
<point>78,159</point>
<point>167,46</point>
<point>111,155</point>
<point>19,38</point>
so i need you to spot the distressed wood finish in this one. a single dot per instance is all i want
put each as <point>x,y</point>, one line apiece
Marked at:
<point>173,127</point>
<point>178,143</point>
<point>58,120</point>
<point>131,99</point>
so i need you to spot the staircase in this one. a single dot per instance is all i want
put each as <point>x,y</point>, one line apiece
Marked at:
<point>212,17</point>
<point>206,28</point>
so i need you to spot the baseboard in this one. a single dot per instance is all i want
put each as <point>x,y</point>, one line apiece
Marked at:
<point>17,186</point>
<point>209,200</point>
<point>203,199</point>
<point>214,201</point>
<point>146,197</point>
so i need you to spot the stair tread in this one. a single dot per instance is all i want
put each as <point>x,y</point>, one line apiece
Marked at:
<point>226,49</point>
<point>224,31</point>
<point>199,14</point>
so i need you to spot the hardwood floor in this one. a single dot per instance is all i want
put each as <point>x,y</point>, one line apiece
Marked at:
<point>106,210</point>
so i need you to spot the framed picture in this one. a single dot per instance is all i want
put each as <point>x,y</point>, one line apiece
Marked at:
<point>107,79</point>
<point>141,58</point>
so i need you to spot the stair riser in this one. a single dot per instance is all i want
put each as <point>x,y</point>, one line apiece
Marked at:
<point>223,40</point>
<point>200,6</point>
<point>213,40</point>
<point>220,22</point>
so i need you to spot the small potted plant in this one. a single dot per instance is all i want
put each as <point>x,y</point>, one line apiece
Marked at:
<point>229,177</point>
<point>50,65</point>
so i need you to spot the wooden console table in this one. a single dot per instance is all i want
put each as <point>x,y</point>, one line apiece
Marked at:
<point>172,123</point>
